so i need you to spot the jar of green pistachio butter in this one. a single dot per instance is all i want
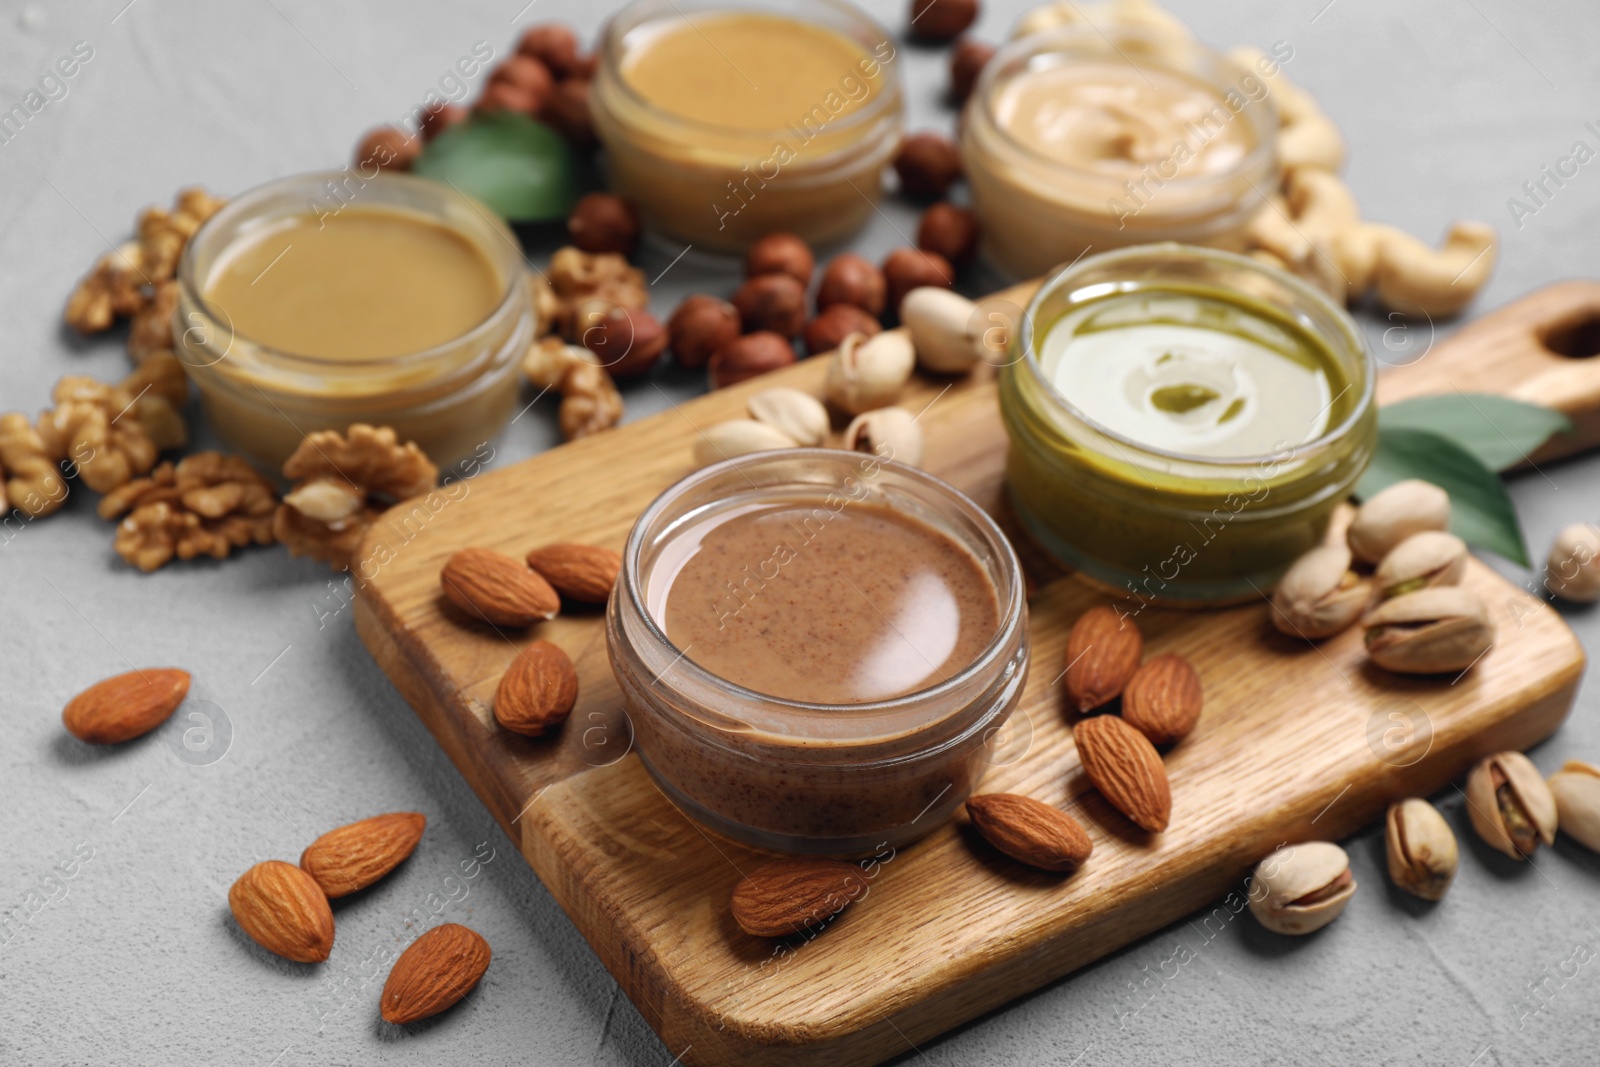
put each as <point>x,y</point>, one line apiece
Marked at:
<point>1184,421</point>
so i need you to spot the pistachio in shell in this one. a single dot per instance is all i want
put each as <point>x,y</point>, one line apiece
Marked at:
<point>1573,570</point>
<point>1576,788</point>
<point>1389,517</point>
<point>1422,849</point>
<point>1301,888</point>
<point>1319,595</point>
<point>1422,561</point>
<point>1510,805</point>
<point>1445,628</point>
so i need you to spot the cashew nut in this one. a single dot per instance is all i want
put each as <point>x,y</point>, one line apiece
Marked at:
<point>1412,277</point>
<point>1355,249</point>
<point>1324,210</point>
<point>1272,230</point>
<point>1311,141</point>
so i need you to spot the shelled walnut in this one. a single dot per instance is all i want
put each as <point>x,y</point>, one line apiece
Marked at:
<point>586,286</point>
<point>150,331</point>
<point>589,399</point>
<point>30,480</point>
<point>124,281</point>
<point>206,504</point>
<point>343,482</point>
<point>113,433</point>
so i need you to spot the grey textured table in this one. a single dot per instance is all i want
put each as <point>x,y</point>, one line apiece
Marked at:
<point>1449,109</point>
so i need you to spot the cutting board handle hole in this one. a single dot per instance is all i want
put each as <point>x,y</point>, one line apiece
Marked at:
<point>1576,336</point>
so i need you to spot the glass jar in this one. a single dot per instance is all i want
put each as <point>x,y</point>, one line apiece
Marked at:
<point>1039,208</point>
<point>449,399</point>
<point>1155,524</point>
<point>842,779</point>
<point>722,184</point>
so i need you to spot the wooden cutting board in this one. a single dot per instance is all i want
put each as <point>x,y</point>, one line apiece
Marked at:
<point>1296,742</point>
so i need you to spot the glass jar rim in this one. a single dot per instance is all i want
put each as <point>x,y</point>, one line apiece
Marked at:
<point>514,267</point>
<point>612,48</point>
<point>1072,40</point>
<point>1011,604</point>
<point>1169,251</point>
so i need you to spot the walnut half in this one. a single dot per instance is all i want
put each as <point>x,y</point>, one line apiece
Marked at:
<point>343,482</point>
<point>206,504</point>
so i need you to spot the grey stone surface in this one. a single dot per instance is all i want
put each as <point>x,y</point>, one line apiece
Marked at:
<point>133,959</point>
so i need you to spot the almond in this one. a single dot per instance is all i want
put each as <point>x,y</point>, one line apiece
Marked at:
<point>1162,700</point>
<point>353,857</point>
<point>1030,831</point>
<point>1103,651</point>
<point>122,708</point>
<point>1126,768</point>
<point>584,573</point>
<point>284,910</point>
<point>785,897</point>
<point>537,691</point>
<point>498,589</point>
<point>436,971</point>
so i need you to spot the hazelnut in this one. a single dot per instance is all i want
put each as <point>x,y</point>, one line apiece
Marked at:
<point>950,231</point>
<point>504,96</point>
<point>552,44</point>
<point>911,268</point>
<point>585,67</point>
<point>967,61</point>
<point>627,343</point>
<point>702,325</point>
<point>942,20</point>
<point>773,302</point>
<point>386,148</point>
<point>928,164</point>
<point>749,356</point>
<point>567,112</point>
<point>439,118</point>
<point>852,279</point>
<point>780,253</point>
<point>602,222</point>
<point>829,329</point>
<point>527,74</point>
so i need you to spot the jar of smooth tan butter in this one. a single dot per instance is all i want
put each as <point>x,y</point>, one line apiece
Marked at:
<point>818,648</point>
<point>1184,421</point>
<point>1086,139</point>
<point>726,121</point>
<point>323,300</point>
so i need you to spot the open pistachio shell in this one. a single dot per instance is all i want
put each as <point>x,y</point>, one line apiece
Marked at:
<point>1445,628</point>
<point>1510,805</point>
<point>1301,888</point>
<point>1422,561</point>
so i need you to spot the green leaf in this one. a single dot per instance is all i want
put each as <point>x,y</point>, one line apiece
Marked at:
<point>1499,431</point>
<point>522,169</point>
<point>1481,512</point>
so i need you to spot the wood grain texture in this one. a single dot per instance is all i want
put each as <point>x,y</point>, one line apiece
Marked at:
<point>1296,742</point>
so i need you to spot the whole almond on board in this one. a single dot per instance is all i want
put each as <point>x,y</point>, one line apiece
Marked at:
<point>1126,768</point>
<point>1030,831</point>
<point>785,897</point>
<point>434,973</point>
<point>498,589</point>
<point>1510,805</point>
<point>284,911</point>
<point>126,706</point>
<point>538,690</point>
<point>1103,651</point>
<point>1162,699</point>
<point>584,573</point>
<point>353,857</point>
